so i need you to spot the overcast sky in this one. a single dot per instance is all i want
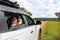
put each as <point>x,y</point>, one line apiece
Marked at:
<point>41,8</point>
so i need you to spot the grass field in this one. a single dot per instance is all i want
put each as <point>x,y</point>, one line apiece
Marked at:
<point>51,31</point>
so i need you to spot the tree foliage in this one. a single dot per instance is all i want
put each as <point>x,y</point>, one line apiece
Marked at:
<point>57,14</point>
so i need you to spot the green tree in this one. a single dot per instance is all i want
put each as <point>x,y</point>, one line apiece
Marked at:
<point>57,14</point>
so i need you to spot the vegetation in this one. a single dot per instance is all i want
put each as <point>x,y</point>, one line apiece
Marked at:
<point>51,31</point>
<point>57,14</point>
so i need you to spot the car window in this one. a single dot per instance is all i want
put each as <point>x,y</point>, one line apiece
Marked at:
<point>14,21</point>
<point>29,20</point>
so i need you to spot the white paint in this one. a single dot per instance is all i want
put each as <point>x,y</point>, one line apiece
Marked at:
<point>22,34</point>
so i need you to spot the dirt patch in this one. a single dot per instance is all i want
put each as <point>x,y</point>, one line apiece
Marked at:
<point>43,23</point>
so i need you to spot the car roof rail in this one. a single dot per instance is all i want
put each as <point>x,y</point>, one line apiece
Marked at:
<point>9,3</point>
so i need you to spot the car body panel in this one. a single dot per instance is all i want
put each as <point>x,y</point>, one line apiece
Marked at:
<point>23,34</point>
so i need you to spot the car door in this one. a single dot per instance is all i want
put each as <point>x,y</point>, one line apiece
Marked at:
<point>38,31</point>
<point>31,28</point>
<point>24,33</point>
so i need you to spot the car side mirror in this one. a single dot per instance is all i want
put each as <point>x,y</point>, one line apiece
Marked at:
<point>38,22</point>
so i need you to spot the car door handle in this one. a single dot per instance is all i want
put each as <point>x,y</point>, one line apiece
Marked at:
<point>32,31</point>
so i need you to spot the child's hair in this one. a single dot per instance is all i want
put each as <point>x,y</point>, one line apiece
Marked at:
<point>9,21</point>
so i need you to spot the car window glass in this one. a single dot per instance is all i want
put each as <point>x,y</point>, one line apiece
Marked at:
<point>29,20</point>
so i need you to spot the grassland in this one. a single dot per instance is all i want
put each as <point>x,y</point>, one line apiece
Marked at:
<point>51,31</point>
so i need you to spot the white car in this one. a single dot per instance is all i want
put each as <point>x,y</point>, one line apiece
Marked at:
<point>27,31</point>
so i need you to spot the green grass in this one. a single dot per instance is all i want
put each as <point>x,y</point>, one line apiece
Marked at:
<point>51,31</point>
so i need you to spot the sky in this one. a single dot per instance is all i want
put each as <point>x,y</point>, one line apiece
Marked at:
<point>41,8</point>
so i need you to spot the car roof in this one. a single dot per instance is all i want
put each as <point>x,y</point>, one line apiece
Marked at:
<point>12,10</point>
<point>7,6</point>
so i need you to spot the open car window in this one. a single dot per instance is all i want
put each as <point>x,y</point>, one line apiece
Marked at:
<point>8,18</point>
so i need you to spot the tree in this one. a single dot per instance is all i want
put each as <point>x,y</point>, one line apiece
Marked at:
<point>25,10</point>
<point>58,14</point>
